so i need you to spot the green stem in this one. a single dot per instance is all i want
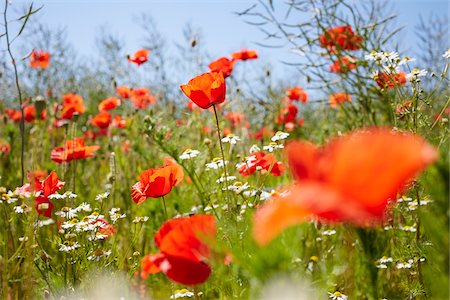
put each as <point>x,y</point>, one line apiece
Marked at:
<point>165,208</point>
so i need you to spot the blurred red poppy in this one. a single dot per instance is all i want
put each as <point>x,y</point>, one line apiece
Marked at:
<point>157,182</point>
<point>340,38</point>
<point>223,65</point>
<point>287,114</point>
<point>185,245</point>
<point>261,161</point>
<point>39,59</point>
<point>102,120</point>
<point>142,98</point>
<point>339,98</point>
<point>343,65</point>
<point>387,81</point>
<point>13,115</point>
<point>73,149</point>
<point>297,94</point>
<point>109,104</point>
<point>206,90</point>
<point>139,57</point>
<point>123,91</point>
<point>244,55</point>
<point>235,118</point>
<point>72,104</point>
<point>4,148</point>
<point>29,113</point>
<point>118,122</point>
<point>352,179</point>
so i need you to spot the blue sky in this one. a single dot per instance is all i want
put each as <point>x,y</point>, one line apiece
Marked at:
<point>223,31</point>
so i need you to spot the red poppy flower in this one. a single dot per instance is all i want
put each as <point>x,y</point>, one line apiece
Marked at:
<point>39,59</point>
<point>118,122</point>
<point>185,249</point>
<point>287,114</point>
<point>13,115</point>
<point>264,132</point>
<point>297,94</point>
<point>102,120</point>
<point>351,179</point>
<point>339,98</point>
<point>206,90</point>
<point>340,38</point>
<point>142,98</point>
<point>157,182</point>
<point>72,104</point>
<point>4,148</point>
<point>123,91</point>
<point>74,149</point>
<point>139,57</point>
<point>223,65</point>
<point>244,55</point>
<point>343,65</point>
<point>262,161</point>
<point>109,104</point>
<point>387,81</point>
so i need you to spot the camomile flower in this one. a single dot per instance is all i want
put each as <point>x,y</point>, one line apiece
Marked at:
<point>140,219</point>
<point>67,213</point>
<point>98,254</point>
<point>184,293</point>
<point>215,164</point>
<point>188,154</point>
<point>228,178</point>
<point>446,54</point>
<point>337,296</point>
<point>273,146</point>
<point>415,74</point>
<point>254,149</point>
<point>405,265</point>
<point>69,246</point>
<point>329,232</point>
<point>238,187</point>
<point>231,138</point>
<point>102,196</point>
<point>280,135</point>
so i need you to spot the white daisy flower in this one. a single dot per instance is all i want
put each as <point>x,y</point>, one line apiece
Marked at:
<point>273,146</point>
<point>115,214</point>
<point>98,254</point>
<point>416,73</point>
<point>446,54</point>
<point>43,223</point>
<point>337,296</point>
<point>67,213</point>
<point>229,178</point>
<point>188,154</point>
<point>215,164</point>
<point>280,135</point>
<point>102,196</point>
<point>254,149</point>
<point>329,232</point>
<point>183,293</point>
<point>408,228</point>
<point>238,187</point>
<point>69,246</point>
<point>231,138</point>
<point>405,265</point>
<point>140,219</point>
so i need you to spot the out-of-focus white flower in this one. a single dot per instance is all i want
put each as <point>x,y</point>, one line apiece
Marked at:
<point>69,246</point>
<point>416,73</point>
<point>215,164</point>
<point>280,135</point>
<point>102,196</point>
<point>254,149</point>
<point>231,138</point>
<point>229,178</point>
<point>408,228</point>
<point>140,219</point>
<point>115,214</point>
<point>273,146</point>
<point>84,207</point>
<point>183,293</point>
<point>67,213</point>
<point>381,263</point>
<point>446,54</point>
<point>405,265</point>
<point>45,222</point>
<point>98,254</point>
<point>188,154</point>
<point>329,232</point>
<point>238,187</point>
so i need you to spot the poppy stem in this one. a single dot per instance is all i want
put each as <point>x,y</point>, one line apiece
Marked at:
<point>223,155</point>
<point>165,208</point>
<point>196,292</point>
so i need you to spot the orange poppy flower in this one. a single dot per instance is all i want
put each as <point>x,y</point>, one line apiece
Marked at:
<point>39,59</point>
<point>142,98</point>
<point>339,98</point>
<point>102,120</point>
<point>72,104</point>
<point>73,149</point>
<point>139,57</point>
<point>109,104</point>
<point>264,162</point>
<point>235,118</point>
<point>262,133</point>
<point>352,179</point>
<point>287,114</point>
<point>223,65</point>
<point>244,55</point>
<point>29,113</point>
<point>387,81</point>
<point>340,38</point>
<point>118,122</point>
<point>297,94</point>
<point>206,90</point>
<point>343,65</point>
<point>157,182</point>
<point>123,91</point>
<point>184,245</point>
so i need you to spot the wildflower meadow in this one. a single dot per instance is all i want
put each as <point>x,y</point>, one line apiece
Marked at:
<point>143,174</point>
